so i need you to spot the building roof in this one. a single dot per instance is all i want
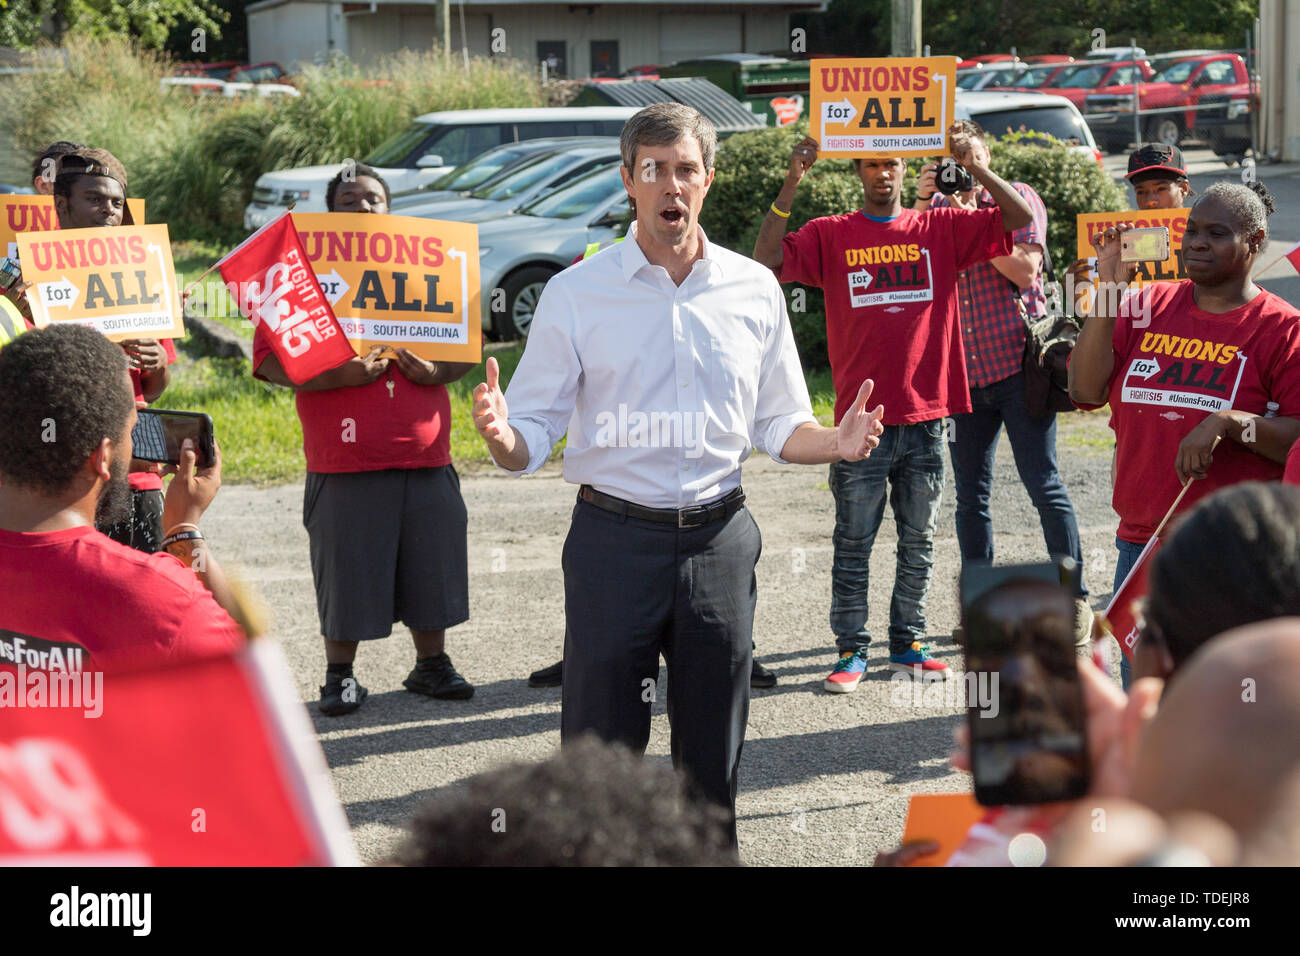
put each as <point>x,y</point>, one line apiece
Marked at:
<point>723,110</point>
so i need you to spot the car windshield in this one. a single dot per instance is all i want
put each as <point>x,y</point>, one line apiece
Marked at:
<point>526,176</point>
<point>396,148</point>
<point>1032,79</point>
<point>258,74</point>
<point>1056,121</point>
<point>968,80</point>
<point>478,171</point>
<point>1178,73</point>
<point>1084,76</point>
<point>580,196</point>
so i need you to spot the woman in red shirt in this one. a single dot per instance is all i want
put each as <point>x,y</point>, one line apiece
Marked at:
<point>1186,364</point>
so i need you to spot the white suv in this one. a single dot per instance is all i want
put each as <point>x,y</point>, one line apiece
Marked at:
<point>432,146</point>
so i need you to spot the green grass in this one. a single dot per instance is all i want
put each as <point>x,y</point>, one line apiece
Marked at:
<point>256,424</point>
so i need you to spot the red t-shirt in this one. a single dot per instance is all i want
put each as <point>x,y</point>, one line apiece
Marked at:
<point>390,423</point>
<point>1291,474</point>
<point>1173,371</point>
<point>891,303</point>
<point>146,480</point>
<point>79,588</point>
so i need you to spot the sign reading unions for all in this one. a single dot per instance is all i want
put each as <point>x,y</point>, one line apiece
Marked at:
<point>117,279</point>
<point>888,106</point>
<point>1173,269</point>
<point>399,281</point>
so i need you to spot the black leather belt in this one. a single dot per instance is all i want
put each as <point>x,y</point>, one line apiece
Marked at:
<point>693,517</point>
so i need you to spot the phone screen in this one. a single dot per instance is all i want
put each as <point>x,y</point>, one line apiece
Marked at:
<point>158,436</point>
<point>1030,747</point>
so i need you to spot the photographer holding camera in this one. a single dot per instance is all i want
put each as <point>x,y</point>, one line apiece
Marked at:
<point>890,278</point>
<point>995,298</point>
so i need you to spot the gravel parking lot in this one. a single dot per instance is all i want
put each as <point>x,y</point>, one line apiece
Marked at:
<point>824,778</point>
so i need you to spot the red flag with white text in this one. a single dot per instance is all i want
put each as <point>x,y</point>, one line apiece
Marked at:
<point>272,281</point>
<point>209,763</point>
<point>1122,613</point>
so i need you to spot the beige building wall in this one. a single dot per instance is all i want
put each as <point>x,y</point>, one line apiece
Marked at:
<point>1279,67</point>
<point>302,31</point>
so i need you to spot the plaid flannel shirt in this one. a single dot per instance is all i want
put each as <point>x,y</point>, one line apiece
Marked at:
<point>993,333</point>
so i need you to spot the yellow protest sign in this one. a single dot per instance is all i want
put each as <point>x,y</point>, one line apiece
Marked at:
<point>24,214</point>
<point>887,106</point>
<point>1172,269</point>
<point>136,207</point>
<point>399,281</point>
<point>117,279</point>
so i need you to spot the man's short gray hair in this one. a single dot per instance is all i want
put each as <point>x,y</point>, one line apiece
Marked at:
<point>662,124</point>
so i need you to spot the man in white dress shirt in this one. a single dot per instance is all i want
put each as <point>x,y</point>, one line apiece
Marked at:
<point>667,360</point>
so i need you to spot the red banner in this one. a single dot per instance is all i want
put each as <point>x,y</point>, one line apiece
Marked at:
<point>213,763</point>
<point>273,283</point>
<point>1121,613</point>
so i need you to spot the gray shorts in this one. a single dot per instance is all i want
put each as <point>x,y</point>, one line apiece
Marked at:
<point>387,546</point>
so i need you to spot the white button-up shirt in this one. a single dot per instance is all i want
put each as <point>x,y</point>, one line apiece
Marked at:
<point>664,389</point>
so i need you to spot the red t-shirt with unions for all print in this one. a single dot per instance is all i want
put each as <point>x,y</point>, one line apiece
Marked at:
<point>390,423</point>
<point>1178,363</point>
<point>78,588</point>
<point>891,303</point>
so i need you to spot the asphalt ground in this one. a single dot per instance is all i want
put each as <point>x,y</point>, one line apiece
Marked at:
<point>824,779</point>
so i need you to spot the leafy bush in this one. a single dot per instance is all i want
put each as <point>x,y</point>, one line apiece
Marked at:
<point>195,160</point>
<point>752,166</point>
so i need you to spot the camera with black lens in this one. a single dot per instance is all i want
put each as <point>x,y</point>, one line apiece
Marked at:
<point>951,177</point>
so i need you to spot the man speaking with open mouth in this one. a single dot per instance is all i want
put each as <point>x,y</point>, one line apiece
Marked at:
<point>661,553</point>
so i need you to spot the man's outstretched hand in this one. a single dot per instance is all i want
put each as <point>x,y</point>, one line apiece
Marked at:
<point>859,430</point>
<point>491,420</point>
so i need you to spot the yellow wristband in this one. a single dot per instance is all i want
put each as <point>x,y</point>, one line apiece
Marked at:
<point>783,215</point>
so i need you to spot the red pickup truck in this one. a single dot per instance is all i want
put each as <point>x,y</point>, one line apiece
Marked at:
<point>1083,78</point>
<point>1169,105</point>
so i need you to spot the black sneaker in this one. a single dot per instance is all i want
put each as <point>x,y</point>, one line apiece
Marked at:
<point>341,695</point>
<point>760,677</point>
<point>435,677</point>
<point>552,676</point>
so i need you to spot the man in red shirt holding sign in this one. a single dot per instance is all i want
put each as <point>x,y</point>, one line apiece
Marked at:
<point>70,591</point>
<point>890,277</point>
<point>382,507</point>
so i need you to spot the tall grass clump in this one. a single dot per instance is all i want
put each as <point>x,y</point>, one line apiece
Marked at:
<point>195,160</point>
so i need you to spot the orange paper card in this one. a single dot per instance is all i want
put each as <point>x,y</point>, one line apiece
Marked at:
<point>942,817</point>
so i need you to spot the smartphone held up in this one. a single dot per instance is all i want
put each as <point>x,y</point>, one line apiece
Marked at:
<point>159,435</point>
<point>1032,747</point>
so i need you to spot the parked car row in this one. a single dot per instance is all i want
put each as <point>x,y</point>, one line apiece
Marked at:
<point>544,183</point>
<point>1200,94</point>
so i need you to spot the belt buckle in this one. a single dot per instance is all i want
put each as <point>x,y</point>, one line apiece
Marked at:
<point>701,510</point>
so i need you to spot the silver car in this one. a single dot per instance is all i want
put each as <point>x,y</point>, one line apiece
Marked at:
<point>529,181</point>
<point>518,254</point>
<point>495,163</point>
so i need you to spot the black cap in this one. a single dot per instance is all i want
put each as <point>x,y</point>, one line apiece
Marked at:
<point>1157,158</point>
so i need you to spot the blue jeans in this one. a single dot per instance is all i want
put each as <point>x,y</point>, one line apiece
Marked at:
<point>909,460</point>
<point>974,441</point>
<point>1128,555</point>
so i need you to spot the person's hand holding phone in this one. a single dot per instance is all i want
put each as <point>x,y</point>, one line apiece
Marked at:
<point>192,488</point>
<point>1109,266</point>
<point>1114,723</point>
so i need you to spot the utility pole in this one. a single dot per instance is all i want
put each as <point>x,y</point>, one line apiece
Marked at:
<point>446,30</point>
<point>905,28</point>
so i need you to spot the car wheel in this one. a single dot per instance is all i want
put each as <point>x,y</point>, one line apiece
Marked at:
<point>1164,129</point>
<point>522,290</point>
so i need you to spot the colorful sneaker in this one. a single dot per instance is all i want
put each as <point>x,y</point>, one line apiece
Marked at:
<point>918,662</point>
<point>848,672</point>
